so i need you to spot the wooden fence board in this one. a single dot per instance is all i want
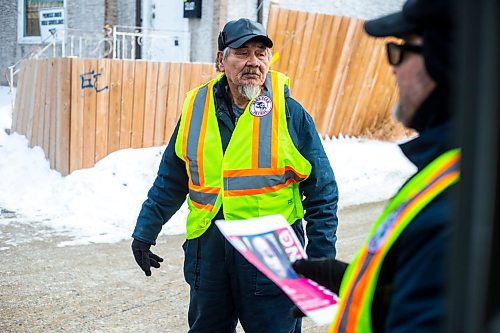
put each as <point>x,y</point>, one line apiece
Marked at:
<point>91,85</point>
<point>297,81</point>
<point>139,104</point>
<point>355,79</point>
<point>35,86</point>
<point>208,72</point>
<point>52,92</point>
<point>38,107</point>
<point>318,71</point>
<point>296,43</point>
<point>279,37</point>
<point>161,105</point>
<point>20,92</point>
<point>127,105</point>
<point>76,116</point>
<point>48,112</point>
<point>22,101</point>
<point>184,79</point>
<point>194,77</point>
<point>150,104</point>
<point>288,36</point>
<point>272,20</point>
<point>102,109</point>
<point>39,135</point>
<point>27,119</point>
<point>365,83</point>
<point>309,76</point>
<point>63,115</point>
<point>115,103</point>
<point>329,91</point>
<point>337,90</point>
<point>326,75</point>
<point>172,98</point>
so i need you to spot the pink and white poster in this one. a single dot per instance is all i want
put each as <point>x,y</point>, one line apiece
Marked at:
<point>270,244</point>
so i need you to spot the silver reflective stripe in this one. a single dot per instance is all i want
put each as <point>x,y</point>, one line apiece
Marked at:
<point>203,198</point>
<point>269,85</point>
<point>256,182</point>
<point>265,129</point>
<point>194,133</point>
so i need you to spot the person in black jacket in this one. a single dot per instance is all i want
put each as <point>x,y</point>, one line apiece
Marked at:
<point>397,281</point>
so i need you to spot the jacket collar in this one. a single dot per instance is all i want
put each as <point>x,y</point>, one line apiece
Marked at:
<point>429,145</point>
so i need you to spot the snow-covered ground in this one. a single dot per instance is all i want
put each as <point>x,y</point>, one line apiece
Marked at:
<point>101,204</point>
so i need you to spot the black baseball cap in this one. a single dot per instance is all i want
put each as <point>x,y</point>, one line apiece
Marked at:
<point>415,17</point>
<point>434,21</point>
<point>237,32</point>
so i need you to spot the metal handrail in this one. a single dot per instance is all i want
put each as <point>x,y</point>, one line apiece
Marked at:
<point>120,42</point>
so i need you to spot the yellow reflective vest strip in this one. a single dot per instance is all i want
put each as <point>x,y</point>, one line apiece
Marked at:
<point>359,282</point>
<point>258,174</point>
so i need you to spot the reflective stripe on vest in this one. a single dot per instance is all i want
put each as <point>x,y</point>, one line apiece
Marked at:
<point>359,282</point>
<point>260,159</point>
<point>264,174</point>
<point>202,196</point>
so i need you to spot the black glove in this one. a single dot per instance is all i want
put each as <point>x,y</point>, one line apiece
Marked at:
<point>327,272</point>
<point>144,257</point>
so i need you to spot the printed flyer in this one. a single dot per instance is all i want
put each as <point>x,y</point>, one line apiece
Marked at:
<point>270,244</point>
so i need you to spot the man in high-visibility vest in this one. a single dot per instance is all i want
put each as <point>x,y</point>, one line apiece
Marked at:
<point>396,283</point>
<point>242,148</point>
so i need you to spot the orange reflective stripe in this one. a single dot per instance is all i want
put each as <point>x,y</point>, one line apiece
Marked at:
<point>204,189</point>
<point>342,306</point>
<point>440,169</point>
<point>359,290</point>
<point>255,142</point>
<point>208,207</point>
<point>275,126</point>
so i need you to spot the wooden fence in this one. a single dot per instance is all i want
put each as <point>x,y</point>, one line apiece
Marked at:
<point>338,73</point>
<point>80,110</point>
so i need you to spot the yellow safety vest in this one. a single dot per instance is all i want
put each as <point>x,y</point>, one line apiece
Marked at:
<point>360,280</point>
<point>259,172</point>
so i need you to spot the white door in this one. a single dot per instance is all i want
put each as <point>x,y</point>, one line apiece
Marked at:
<point>168,37</point>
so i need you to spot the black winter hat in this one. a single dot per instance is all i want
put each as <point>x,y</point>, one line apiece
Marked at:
<point>431,19</point>
<point>238,32</point>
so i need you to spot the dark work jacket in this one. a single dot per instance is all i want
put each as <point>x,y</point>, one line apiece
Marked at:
<point>410,291</point>
<point>320,191</point>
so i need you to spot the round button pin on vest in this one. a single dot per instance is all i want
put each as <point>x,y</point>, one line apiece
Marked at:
<point>261,106</point>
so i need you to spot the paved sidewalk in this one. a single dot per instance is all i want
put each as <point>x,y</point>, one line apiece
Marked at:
<point>99,287</point>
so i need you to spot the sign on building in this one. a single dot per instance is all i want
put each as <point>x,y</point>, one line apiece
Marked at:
<point>51,19</point>
<point>192,8</point>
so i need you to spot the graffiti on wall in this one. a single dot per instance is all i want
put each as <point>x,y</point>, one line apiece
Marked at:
<point>89,80</point>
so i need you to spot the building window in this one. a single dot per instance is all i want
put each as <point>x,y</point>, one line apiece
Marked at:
<point>29,23</point>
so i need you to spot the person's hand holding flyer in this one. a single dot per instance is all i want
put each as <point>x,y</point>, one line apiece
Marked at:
<point>271,245</point>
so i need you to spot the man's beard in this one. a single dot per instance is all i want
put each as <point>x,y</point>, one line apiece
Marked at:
<point>250,91</point>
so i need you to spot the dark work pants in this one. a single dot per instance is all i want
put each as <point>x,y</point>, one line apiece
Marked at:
<point>225,288</point>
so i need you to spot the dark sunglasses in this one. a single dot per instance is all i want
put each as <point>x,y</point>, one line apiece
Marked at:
<point>396,52</point>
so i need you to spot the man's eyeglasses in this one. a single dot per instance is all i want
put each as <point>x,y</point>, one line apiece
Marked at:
<point>396,52</point>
